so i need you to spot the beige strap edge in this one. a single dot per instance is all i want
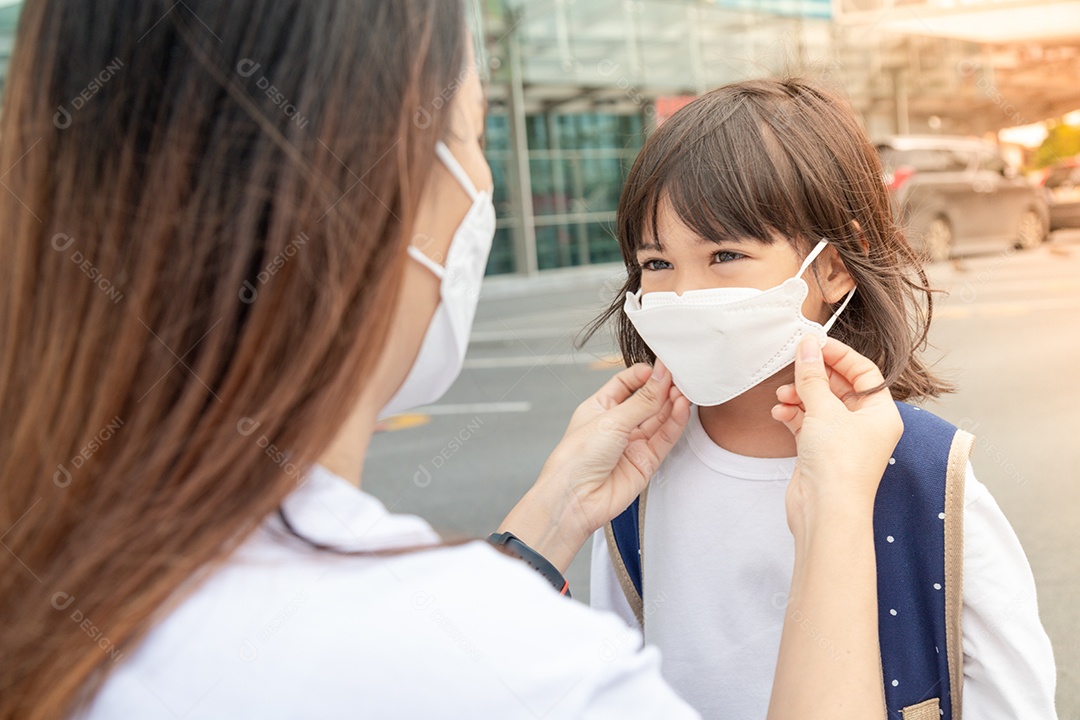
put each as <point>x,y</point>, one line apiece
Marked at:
<point>623,576</point>
<point>955,478</point>
<point>643,498</point>
<point>926,710</point>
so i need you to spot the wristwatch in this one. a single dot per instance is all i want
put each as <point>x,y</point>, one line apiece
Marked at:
<point>511,544</point>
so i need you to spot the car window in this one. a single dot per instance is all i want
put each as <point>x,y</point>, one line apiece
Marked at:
<point>960,159</point>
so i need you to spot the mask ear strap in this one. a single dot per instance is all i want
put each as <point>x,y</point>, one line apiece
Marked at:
<point>419,256</point>
<point>818,249</point>
<point>455,169</point>
<point>836,315</point>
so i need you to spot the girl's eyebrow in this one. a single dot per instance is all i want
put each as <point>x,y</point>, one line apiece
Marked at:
<point>725,239</point>
<point>653,246</point>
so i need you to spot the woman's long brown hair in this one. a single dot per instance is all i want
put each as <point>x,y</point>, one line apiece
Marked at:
<point>204,213</point>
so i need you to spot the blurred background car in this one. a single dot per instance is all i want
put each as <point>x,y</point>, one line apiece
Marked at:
<point>955,195</point>
<point>1062,184</point>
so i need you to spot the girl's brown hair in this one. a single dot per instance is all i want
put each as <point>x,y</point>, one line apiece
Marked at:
<point>770,159</point>
<point>205,212</point>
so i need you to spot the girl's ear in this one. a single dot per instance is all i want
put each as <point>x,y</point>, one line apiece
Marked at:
<point>838,281</point>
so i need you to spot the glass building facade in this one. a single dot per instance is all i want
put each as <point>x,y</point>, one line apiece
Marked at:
<point>576,164</point>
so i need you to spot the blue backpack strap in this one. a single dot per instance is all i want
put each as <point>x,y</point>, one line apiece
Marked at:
<point>918,538</point>
<point>624,544</point>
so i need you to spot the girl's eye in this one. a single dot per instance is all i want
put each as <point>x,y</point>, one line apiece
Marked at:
<point>725,256</point>
<point>656,264</point>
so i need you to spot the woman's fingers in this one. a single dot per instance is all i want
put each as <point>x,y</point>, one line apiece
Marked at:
<point>857,370</point>
<point>650,442</point>
<point>645,453</point>
<point>666,433</point>
<point>609,454</point>
<point>848,373</point>
<point>787,395</point>
<point>826,384</point>
<point>615,391</point>
<point>811,379</point>
<point>651,424</point>
<point>790,415</point>
<point>645,402</point>
<point>624,384</point>
<point>841,388</point>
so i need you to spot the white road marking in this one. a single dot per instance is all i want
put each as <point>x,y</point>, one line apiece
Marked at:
<point>491,363</point>
<point>524,334</point>
<point>474,408</point>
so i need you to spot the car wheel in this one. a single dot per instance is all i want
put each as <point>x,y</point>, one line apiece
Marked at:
<point>938,240</point>
<point>1030,233</point>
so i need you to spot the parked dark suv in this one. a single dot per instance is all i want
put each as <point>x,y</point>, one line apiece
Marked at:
<point>954,195</point>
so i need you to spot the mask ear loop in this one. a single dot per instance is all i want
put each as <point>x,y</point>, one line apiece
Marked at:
<point>418,255</point>
<point>818,249</point>
<point>456,170</point>
<point>836,315</point>
<point>452,164</point>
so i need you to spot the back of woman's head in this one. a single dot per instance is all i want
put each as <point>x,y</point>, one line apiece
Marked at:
<point>785,160</point>
<point>205,215</point>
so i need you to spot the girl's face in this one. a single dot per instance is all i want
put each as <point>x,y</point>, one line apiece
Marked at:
<point>685,261</point>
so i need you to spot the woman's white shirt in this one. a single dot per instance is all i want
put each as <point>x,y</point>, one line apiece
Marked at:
<point>281,630</point>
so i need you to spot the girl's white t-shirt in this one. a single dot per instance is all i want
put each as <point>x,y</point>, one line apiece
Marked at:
<point>285,631</point>
<point>718,558</point>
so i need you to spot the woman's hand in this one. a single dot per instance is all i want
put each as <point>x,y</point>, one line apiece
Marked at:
<point>830,663</point>
<point>614,443</point>
<point>844,439</point>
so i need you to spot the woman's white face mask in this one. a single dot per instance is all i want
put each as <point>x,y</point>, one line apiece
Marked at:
<point>442,354</point>
<point>720,342</point>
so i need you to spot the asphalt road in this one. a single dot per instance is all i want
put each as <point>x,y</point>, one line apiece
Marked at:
<point>1008,335</point>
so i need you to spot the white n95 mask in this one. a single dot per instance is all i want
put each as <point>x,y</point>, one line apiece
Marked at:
<point>442,353</point>
<point>720,342</point>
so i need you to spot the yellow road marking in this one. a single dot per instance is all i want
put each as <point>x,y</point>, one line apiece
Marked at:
<point>402,422</point>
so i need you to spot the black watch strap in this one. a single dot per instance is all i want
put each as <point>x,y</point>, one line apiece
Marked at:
<point>510,543</point>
